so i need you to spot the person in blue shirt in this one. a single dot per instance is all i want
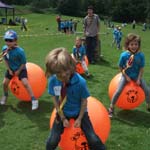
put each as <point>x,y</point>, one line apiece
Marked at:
<point>131,64</point>
<point>15,61</point>
<point>119,38</point>
<point>69,93</point>
<point>115,32</point>
<point>79,55</point>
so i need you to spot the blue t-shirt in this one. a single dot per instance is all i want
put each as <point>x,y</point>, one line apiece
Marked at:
<point>138,63</point>
<point>115,32</point>
<point>15,57</point>
<point>76,92</point>
<point>79,52</point>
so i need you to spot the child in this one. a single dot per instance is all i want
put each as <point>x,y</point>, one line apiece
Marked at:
<point>79,54</point>
<point>119,38</point>
<point>115,32</point>
<point>61,67</point>
<point>15,61</point>
<point>131,65</point>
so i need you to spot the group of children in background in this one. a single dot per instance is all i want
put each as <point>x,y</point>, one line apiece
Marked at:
<point>67,26</point>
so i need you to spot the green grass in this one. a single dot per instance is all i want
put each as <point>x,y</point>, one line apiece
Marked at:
<point>23,129</point>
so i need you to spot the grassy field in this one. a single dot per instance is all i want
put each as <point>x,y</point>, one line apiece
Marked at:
<point>23,129</point>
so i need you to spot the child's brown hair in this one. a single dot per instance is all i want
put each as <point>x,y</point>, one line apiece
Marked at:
<point>59,60</point>
<point>132,37</point>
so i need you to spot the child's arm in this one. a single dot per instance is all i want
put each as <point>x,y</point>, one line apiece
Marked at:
<point>74,58</point>
<point>57,106</point>
<point>8,68</point>
<point>82,111</point>
<point>60,112</point>
<point>83,59</point>
<point>19,70</point>
<point>140,76</point>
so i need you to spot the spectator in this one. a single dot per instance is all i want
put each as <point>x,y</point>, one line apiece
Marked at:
<point>91,24</point>
<point>23,24</point>
<point>133,24</point>
<point>58,19</point>
<point>144,26</point>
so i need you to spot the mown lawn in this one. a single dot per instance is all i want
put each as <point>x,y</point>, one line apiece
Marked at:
<point>23,129</point>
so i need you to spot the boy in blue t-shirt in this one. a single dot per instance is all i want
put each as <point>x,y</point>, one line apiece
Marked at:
<point>15,61</point>
<point>119,38</point>
<point>69,93</point>
<point>79,55</point>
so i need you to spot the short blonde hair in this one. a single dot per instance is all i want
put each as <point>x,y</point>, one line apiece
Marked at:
<point>78,38</point>
<point>59,60</point>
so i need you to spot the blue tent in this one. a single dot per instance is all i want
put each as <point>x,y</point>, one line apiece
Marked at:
<point>6,7</point>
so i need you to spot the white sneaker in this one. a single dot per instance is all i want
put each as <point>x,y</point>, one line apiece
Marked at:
<point>35,104</point>
<point>3,100</point>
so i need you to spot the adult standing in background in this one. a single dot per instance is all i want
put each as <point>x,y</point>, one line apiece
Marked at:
<point>91,24</point>
<point>58,19</point>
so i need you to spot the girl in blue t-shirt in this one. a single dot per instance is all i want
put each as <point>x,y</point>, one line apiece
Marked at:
<point>15,61</point>
<point>69,93</point>
<point>131,64</point>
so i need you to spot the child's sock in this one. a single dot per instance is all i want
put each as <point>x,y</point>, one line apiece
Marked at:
<point>6,94</point>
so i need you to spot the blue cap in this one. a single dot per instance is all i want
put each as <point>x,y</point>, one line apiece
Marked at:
<point>10,34</point>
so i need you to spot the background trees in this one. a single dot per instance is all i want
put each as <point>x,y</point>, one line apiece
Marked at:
<point>117,10</point>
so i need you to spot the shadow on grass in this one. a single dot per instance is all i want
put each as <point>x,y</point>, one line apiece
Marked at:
<point>102,61</point>
<point>134,117</point>
<point>3,109</point>
<point>40,117</point>
<point>106,63</point>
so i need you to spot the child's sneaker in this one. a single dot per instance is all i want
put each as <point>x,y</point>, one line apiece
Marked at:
<point>110,112</point>
<point>89,75</point>
<point>3,100</point>
<point>35,104</point>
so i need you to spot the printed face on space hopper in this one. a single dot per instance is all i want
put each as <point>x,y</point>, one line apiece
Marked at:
<point>132,96</point>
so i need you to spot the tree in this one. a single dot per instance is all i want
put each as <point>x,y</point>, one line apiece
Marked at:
<point>147,11</point>
<point>127,10</point>
<point>69,7</point>
<point>40,4</point>
<point>17,2</point>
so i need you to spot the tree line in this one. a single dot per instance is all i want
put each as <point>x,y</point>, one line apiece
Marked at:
<point>115,10</point>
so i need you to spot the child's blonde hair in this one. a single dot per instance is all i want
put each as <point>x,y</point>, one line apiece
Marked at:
<point>132,37</point>
<point>78,38</point>
<point>59,60</point>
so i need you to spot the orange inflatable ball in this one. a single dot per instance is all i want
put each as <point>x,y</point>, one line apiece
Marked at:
<point>37,80</point>
<point>74,138</point>
<point>79,67</point>
<point>131,96</point>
